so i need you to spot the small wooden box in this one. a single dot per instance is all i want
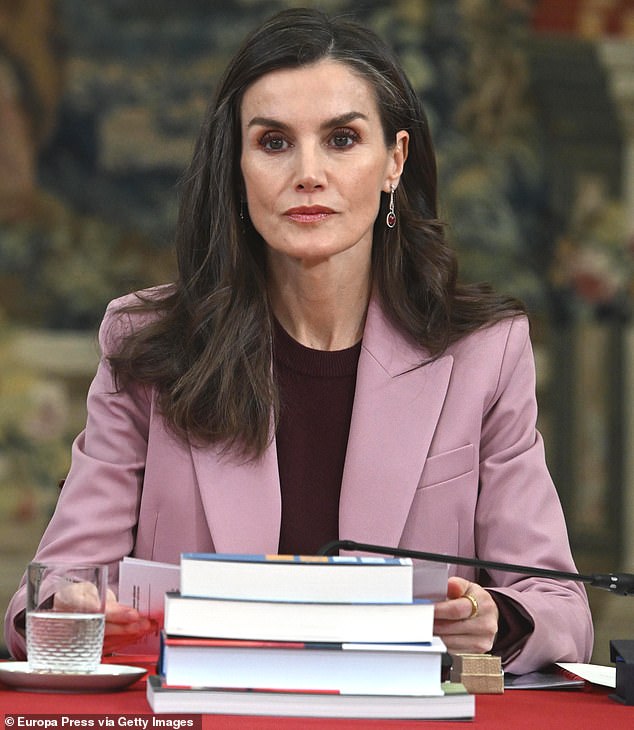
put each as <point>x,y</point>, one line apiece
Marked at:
<point>480,673</point>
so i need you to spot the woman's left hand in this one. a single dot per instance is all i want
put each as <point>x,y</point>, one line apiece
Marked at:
<point>124,625</point>
<point>468,620</point>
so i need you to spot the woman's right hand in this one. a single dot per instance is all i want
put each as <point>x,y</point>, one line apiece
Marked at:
<point>124,625</point>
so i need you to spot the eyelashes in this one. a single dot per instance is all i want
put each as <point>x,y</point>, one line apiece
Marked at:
<point>340,139</point>
<point>273,142</point>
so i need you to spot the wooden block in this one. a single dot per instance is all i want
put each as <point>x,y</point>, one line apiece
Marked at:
<point>480,673</point>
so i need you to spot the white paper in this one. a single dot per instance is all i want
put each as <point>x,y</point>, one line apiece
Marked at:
<point>430,580</point>
<point>594,673</point>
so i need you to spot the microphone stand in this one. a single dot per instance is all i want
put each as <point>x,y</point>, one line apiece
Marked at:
<point>619,583</point>
<point>621,651</point>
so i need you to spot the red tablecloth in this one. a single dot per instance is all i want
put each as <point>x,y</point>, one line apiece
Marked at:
<point>588,709</point>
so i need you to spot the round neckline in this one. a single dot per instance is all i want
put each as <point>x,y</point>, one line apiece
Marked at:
<point>309,361</point>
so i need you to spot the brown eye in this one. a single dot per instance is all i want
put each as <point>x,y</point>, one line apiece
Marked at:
<point>343,138</point>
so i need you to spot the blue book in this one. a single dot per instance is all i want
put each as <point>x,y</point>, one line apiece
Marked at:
<point>297,578</point>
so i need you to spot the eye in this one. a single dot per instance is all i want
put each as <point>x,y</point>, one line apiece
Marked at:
<point>273,142</point>
<point>342,138</point>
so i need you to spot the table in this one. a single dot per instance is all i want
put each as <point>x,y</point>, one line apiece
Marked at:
<point>586,709</point>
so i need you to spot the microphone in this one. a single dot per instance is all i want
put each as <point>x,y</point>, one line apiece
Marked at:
<point>619,583</point>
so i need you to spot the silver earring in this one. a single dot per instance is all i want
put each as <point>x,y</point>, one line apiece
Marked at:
<point>390,218</point>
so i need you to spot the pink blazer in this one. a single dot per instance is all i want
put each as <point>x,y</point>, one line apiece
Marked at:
<point>443,457</point>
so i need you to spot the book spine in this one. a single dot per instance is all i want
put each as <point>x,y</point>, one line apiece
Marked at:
<point>298,559</point>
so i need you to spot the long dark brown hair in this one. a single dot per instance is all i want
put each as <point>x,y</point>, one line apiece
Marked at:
<point>207,346</point>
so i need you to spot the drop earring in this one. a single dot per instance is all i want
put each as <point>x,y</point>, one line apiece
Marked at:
<point>244,215</point>
<point>390,218</point>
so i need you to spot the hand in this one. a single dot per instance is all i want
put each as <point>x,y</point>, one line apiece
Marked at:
<point>80,596</point>
<point>459,624</point>
<point>124,625</point>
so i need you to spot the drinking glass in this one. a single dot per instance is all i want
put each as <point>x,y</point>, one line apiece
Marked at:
<point>65,616</point>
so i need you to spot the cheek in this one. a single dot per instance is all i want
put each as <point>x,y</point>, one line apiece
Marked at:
<point>259,186</point>
<point>256,198</point>
<point>365,195</point>
<point>365,184</point>
<point>260,204</point>
<point>261,210</point>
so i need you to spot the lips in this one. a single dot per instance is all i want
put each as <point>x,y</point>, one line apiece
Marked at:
<point>309,213</point>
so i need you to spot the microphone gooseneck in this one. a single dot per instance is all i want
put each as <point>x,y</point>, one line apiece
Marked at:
<point>619,583</point>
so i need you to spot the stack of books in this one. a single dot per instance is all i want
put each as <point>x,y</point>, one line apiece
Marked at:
<point>301,636</point>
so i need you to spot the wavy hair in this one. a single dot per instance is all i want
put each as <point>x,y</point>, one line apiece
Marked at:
<point>208,348</point>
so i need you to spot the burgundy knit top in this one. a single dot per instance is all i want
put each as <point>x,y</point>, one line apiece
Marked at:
<point>316,390</point>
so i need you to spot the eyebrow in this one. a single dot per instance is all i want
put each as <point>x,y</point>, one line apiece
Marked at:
<point>337,121</point>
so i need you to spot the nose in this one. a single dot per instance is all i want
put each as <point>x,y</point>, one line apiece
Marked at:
<point>310,172</point>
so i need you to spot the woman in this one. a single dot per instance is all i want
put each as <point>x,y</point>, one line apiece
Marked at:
<point>316,372</point>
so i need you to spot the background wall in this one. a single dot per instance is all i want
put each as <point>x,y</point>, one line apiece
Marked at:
<point>99,105</point>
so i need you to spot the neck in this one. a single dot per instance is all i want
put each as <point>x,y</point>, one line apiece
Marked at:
<point>319,310</point>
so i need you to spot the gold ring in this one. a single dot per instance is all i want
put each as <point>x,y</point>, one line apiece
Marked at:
<point>474,605</point>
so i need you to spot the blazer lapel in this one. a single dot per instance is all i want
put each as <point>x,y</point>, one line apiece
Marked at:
<point>241,499</point>
<point>397,405</point>
<point>396,408</point>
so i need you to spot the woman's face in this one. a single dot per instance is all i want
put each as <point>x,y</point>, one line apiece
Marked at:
<point>314,161</point>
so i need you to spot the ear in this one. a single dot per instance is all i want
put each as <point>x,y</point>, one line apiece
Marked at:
<point>398,155</point>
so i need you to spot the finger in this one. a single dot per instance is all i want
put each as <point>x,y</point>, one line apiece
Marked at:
<point>122,616</point>
<point>142,625</point>
<point>457,586</point>
<point>118,635</point>
<point>476,634</point>
<point>456,609</point>
<point>79,596</point>
<point>467,644</point>
<point>474,607</point>
<point>119,613</point>
<point>112,643</point>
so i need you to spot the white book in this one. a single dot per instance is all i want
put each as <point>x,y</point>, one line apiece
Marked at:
<point>335,579</point>
<point>220,618</point>
<point>454,704</point>
<point>386,669</point>
<point>143,585</point>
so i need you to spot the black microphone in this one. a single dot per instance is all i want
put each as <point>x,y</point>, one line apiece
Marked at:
<point>620,583</point>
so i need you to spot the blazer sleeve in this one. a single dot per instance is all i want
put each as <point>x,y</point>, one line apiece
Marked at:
<point>519,518</point>
<point>97,510</point>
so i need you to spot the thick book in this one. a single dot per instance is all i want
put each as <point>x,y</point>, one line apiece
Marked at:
<point>312,578</point>
<point>454,704</point>
<point>220,618</point>
<point>387,669</point>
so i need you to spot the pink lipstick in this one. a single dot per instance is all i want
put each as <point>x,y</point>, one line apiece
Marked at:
<point>309,213</point>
